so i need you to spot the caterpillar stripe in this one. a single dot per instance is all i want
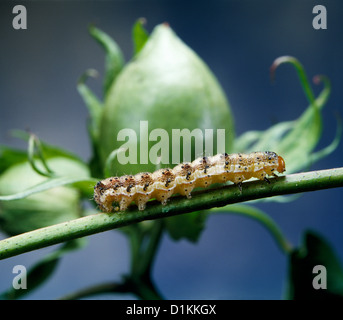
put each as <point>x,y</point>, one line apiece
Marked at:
<point>182,179</point>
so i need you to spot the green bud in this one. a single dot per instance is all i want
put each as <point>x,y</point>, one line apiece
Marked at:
<point>41,209</point>
<point>170,87</point>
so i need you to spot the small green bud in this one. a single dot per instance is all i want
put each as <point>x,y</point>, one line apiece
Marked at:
<point>41,209</point>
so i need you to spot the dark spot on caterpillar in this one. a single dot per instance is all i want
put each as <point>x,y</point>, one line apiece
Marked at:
<point>167,182</point>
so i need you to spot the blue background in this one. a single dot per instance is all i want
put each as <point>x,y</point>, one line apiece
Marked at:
<point>235,257</point>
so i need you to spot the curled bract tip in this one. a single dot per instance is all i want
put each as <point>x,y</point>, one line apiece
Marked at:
<point>90,73</point>
<point>278,61</point>
<point>319,78</point>
<point>142,20</point>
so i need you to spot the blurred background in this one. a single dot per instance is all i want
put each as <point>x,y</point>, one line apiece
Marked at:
<point>235,258</point>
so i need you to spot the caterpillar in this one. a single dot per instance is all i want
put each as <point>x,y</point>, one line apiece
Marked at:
<point>183,178</point>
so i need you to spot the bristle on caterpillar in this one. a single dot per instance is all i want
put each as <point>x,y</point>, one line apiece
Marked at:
<point>182,179</point>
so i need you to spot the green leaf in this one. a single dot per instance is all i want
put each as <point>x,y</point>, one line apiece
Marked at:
<point>315,251</point>
<point>188,226</point>
<point>114,60</point>
<point>93,104</point>
<point>263,140</point>
<point>139,35</point>
<point>316,156</point>
<point>95,109</point>
<point>44,269</point>
<point>295,140</point>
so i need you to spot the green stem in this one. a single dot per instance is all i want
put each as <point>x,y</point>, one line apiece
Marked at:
<point>144,241</point>
<point>144,289</point>
<point>295,183</point>
<point>147,256</point>
<point>135,237</point>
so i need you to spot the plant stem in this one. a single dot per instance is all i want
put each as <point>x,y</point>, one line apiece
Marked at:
<point>295,183</point>
<point>148,254</point>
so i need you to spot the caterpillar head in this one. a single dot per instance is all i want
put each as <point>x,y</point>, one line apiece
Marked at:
<point>281,165</point>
